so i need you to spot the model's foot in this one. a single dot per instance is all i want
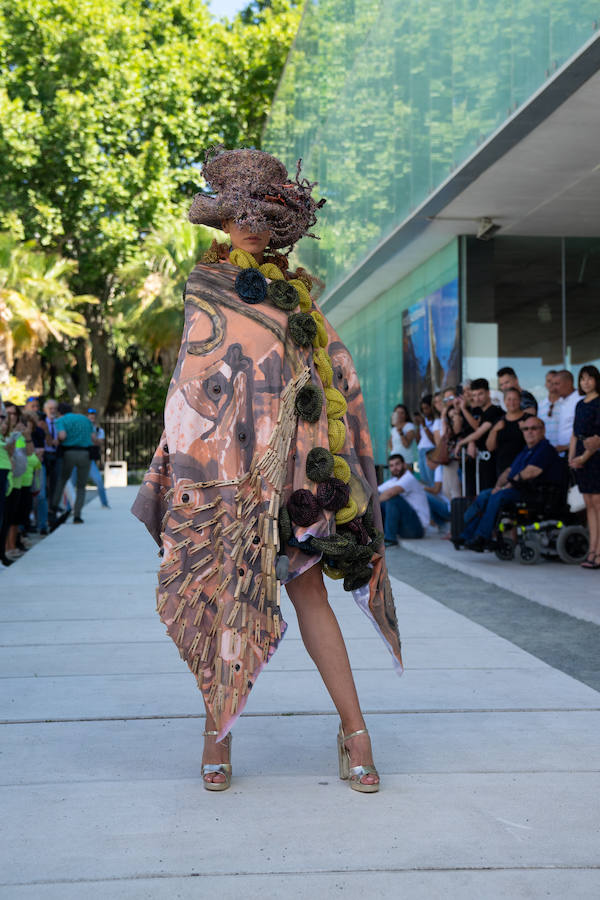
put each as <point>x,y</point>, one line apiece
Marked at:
<point>214,754</point>
<point>359,748</point>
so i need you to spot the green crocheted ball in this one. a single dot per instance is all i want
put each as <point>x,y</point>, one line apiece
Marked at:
<point>319,464</point>
<point>335,546</point>
<point>285,526</point>
<point>309,402</point>
<point>355,563</point>
<point>303,328</point>
<point>353,582</point>
<point>283,295</point>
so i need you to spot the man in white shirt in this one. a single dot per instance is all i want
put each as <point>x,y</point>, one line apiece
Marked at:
<point>548,409</point>
<point>403,503</point>
<point>568,400</point>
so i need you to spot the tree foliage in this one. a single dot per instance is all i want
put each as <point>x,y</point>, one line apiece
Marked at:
<point>106,108</point>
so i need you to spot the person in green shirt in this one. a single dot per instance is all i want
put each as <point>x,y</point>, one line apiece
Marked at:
<point>74,431</point>
<point>6,451</point>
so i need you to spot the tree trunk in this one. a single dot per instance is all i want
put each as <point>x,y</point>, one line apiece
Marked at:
<point>106,366</point>
<point>28,369</point>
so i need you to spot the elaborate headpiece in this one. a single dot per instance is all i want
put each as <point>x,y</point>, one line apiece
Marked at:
<point>254,189</point>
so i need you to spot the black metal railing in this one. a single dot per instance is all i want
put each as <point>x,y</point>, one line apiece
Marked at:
<point>133,439</point>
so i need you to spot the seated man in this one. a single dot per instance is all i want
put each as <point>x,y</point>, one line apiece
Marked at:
<point>403,503</point>
<point>439,505</point>
<point>537,463</point>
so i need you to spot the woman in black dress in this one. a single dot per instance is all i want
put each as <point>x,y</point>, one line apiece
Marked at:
<point>586,463</point>
<point>506,438</point>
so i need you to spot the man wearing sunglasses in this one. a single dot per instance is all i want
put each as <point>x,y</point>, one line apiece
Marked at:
<point>539,462</point>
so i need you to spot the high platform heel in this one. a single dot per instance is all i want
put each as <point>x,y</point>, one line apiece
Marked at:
<point>220,768</point>
<point>354,773</point>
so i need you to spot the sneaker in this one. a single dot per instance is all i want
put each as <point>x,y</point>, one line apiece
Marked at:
<point>78,520</point>
<point>14,554</point>
<point>391,543</point>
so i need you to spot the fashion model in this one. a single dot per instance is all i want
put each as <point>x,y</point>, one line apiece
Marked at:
<point>264,474</point>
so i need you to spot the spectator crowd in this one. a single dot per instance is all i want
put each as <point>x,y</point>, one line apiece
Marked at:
<point>46,457</point>
<point>460,444</point>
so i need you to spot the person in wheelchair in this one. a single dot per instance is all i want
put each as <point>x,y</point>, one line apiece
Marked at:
<point>536,469</point>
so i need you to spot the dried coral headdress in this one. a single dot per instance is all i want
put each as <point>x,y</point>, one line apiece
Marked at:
<point>253,189</point>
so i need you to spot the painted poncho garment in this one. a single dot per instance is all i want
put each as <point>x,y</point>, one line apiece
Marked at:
<point>232,453</point>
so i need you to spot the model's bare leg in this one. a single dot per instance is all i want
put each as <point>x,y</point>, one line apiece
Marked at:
<point>323,640</point>
<point>214,753</point>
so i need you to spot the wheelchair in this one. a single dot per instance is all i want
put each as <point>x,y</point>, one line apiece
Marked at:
<point>541,525</point>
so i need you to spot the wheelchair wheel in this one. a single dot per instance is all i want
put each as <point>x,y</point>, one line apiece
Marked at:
<point>505,549</point>
<point>529,551</point>
<point>572,544</point>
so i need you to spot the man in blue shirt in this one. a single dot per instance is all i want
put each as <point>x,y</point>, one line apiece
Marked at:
<point>539,462</point>
<point>74,432</point>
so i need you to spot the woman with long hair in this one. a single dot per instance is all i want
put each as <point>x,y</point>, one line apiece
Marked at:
<point>264,474</point>
<point>403,435</point>
<point>586,462</point>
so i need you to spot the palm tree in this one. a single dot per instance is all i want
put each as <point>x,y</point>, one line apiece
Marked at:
<point>36,304</point>
<point>150,312</point>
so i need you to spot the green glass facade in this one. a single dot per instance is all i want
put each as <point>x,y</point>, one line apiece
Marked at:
<point>384,100</point>
<point>374,337</point>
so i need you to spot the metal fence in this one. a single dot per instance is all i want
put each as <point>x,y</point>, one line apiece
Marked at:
<point>132,439</point>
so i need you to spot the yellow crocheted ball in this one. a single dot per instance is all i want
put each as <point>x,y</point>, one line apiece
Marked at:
<point>321,339</point>
<point>323,366</point>
<point>346,513</point>
<point>331,572</point>
<point>305,301</point>
<point>341,469</point>
<point>337,435</point>
<point>336,403</point>
<point>271,271</point>
<point>243,259</point>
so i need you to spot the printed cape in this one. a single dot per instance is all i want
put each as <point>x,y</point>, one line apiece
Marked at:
<point>232,452</point>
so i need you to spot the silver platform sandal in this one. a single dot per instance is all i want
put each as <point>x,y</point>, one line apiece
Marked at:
<point>220,768</point>
<point>354,773</point>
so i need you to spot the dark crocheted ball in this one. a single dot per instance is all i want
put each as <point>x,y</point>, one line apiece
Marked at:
<point>358,580</point>
<point>303,507</point>
<point>251,286</point>
<point>283,295</point>
<point>303,328</point>
<point>333,494</point>
<point>309,403</point>
<point>319,464</point>
<point>358,530</point>
<point>285,526</point>
<point>335,546</point>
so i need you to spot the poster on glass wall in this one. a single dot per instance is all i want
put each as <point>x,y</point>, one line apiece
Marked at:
<point>431,345</point>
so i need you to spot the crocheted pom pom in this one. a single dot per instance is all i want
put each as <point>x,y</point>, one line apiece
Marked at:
<point>341,469</point>
<point>321,339</point>
<point>303,507</point>
<point>347,513</point>
<point>270,270</point>
<point>285,526</point>
<point>336,546</point>
<point>319,464</point>
<point>331,572</point>
<point>251,286</point>
<point>303,328</point>
<point>243,259</point>
<point>336,403</point>
<point>283,295</point>
<point>337,435</point>
<point>361,555</point>
<point>305,301</point>
<point>358,580</point>
<point>333,494</point>
<point>358,531</point>
<point>309,403</point>
<point>323,366</point>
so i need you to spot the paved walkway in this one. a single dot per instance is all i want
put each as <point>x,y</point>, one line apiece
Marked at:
<point>489,757</point>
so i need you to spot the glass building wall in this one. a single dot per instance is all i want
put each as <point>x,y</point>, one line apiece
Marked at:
<point>530,309</point>
<point>383,100</point>
<point>413,311</point>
